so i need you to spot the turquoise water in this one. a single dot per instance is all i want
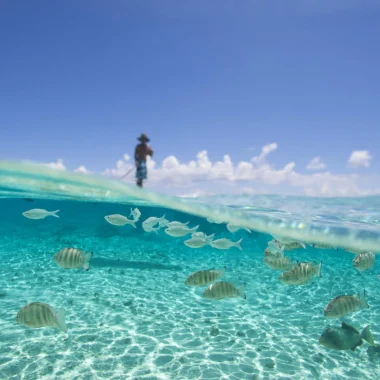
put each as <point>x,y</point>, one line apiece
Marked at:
<point>132,317</point>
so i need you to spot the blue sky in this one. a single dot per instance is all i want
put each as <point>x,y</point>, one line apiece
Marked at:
<point>80,80</point>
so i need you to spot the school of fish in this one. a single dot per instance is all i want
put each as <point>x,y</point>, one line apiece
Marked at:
<point>294,273</point>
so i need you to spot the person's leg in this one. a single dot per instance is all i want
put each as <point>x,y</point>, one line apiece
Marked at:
<point>139,182</point>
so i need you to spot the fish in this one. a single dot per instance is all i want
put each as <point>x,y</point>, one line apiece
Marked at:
<point>39,213</point>
<point>163,223</point>
<point>278,263</point>
<point>204,277</point>
<point>223,289</point>
<point>119,220</point>
<point>149,223</point>
<point>149,228</point>
<point>345,337</point>
<point>232,228</point>
<point>175,223</point>
<point>364,261</point>
<point>70,258</point>
<point>301,273</point>
<point>38,314</point>
<point>343,305</point>
<point>294,245</point>
<point>276,248</point>
<point>323,246</point>
<point>226,244</point>
<point>214,220</point>
<point>135,213</point>
<point>196,242</point>
<point>202,235</point>
<point>179,231</point>
<point>283,239</point>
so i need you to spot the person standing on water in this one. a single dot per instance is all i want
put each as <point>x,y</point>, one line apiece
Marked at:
<point>142,150</point>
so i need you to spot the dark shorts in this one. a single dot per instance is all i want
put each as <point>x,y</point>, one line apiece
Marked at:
<point>141,171</point>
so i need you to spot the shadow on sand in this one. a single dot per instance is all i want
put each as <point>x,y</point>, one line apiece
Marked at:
<point>102,262</point>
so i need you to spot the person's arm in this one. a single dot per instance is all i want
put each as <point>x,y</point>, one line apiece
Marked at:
<point>150,151</point>
<point>136,155</point>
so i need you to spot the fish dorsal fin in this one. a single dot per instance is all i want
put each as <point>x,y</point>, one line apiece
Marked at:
<point>349,327</point>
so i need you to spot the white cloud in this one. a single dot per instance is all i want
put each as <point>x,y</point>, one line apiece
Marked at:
<point>82,169</point>
<point>359,158</point>
<point>201,176</point>
<point>316,164</point>
<point>57,165</point>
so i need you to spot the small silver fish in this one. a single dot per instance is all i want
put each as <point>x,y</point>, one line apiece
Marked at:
<point>119,220</point>
<point>152,221</point>
<point>203,235</point>
<point>38,213</point>
<point>204,277</point>
<point>38,314</point>
<point>301,273</point>
<point>135,213</point>
<point>70,258</point>
<point>223,289</point>
<point>232,228</point>
<point>196,242</point>
<point>364,261</point>
<point>226,244</point>
<point>343,305</point>
<point>179,231</point>
<point>345,337</point>
<point>215,220</point>
<point>175,223</point>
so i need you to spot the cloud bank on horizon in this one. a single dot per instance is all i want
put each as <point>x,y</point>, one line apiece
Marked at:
<point>257,176</point>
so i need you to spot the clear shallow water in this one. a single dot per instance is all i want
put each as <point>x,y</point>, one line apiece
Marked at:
<point>132,317</point>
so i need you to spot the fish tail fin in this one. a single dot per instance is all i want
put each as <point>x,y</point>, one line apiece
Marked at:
<point>241,289</point>
<point>60,320</point>
<point>210,237</point>
<point>131,212</point>
<point>186,223</point>
<point>319,274</point>
<point>237,244</point>
<point>367,335</point>
<point>133,223</point>
<point>53,213</point>
<point>163,217</point>
<point>363,301</point>
<point>155,230</point>
<point>87,259</point>
<point>221,271</point>
<point>248,230</point>
<point>303,245</point>
<point>194,228</point>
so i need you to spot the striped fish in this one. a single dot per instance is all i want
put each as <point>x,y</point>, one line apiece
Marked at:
<point>342,305</point>
<point>69,258</point>
<point>294,245</point>
<point>323,246</point>
<point>301,273</point>
<point>204,277</point>
<point>223,289</point>
<point>38,314</point>
<point>364,261</point>
<point>278,263</point>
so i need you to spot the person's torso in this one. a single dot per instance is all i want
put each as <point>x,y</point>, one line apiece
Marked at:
<point>142,151</point>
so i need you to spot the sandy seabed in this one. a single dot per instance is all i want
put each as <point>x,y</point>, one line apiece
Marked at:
<point>132,317</point>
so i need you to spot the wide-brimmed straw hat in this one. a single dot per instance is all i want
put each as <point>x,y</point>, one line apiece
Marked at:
<point>143,137</point>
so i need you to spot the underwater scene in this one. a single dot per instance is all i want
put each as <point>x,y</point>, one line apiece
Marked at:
<point>103,280</point>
